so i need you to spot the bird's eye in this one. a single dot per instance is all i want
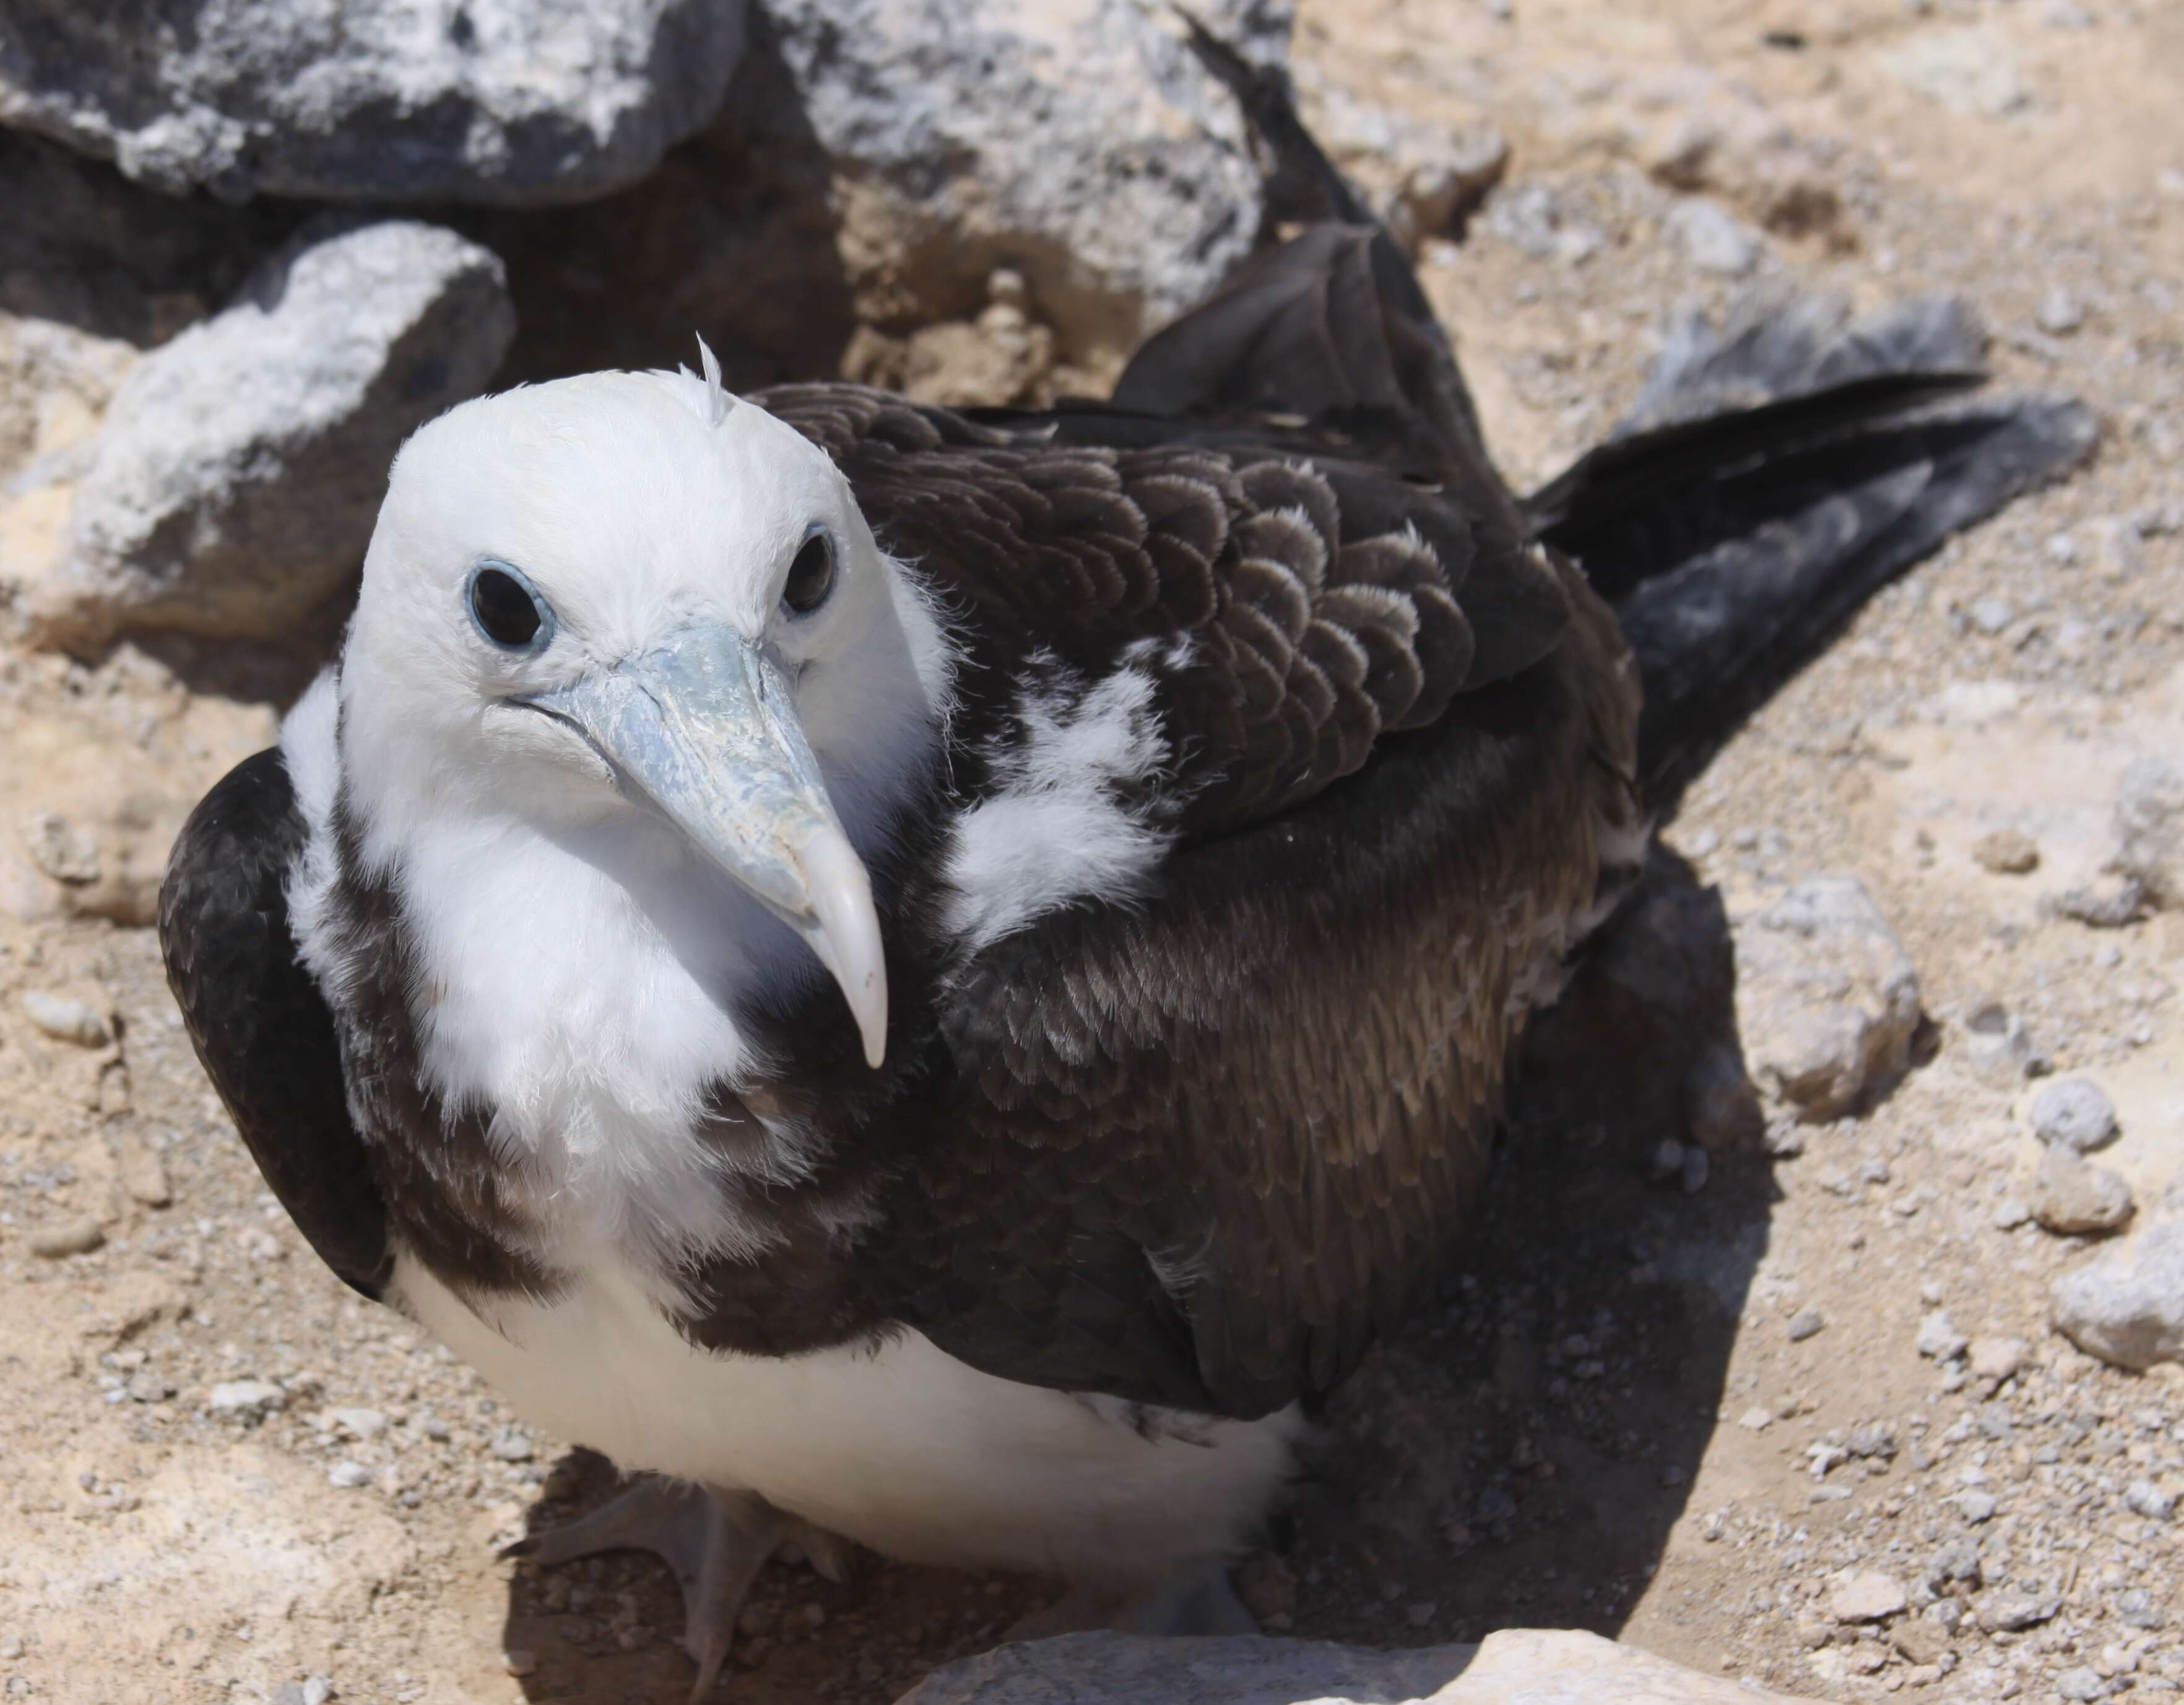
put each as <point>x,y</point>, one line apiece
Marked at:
<point>811,576</point>
<point>508,609</point>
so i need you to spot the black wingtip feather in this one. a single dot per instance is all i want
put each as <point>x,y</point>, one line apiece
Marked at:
<point>1771,478</point>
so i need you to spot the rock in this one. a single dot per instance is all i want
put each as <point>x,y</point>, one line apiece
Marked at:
<point>1867,1595</point>
<point>66,1020</point>
<point>2000,1611</point>
<point>64,851</point>
<point>1515,1666</point>
<point>1827,1001</point>
<point>2149,829</point>
<point>2007,852</point>
<point>1540,224</point>
<point>1996,1358</point>
<point>2072,1197</point>
<point>148,1388</point>
<point>2074,1113</point>
<point>2109,902</point>
<point>517,102</point>
<point>2082,1685</point>
<point>512,1445</point>
<point>2126,1306</point>
<point>1085,145</point>
<point>70,1237</point>
<point>1997,1045</point>
<point>1714,239</point>
<point>1970,71</point>
<point>1755,1420</point>
<point>1975,1506</point>
<point>363,1423</point>
<point>141,1171</point>
<point>235,484</point>
<point>348,1476</point>
<point>2010,1212</point>
<point>2060,312</point>
<point>1939,1339</point>
<point>1806,1323</point>
<point>246,1400</point>
<point>1919,1640</point>
<point>2143,1497</point>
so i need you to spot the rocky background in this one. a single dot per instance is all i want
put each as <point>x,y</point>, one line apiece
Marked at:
<point>1824,1331</point>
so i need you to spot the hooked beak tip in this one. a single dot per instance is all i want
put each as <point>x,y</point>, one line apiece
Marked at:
<point>845,932</point>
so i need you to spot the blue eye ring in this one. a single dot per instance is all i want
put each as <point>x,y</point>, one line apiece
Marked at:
<point>506,609</point>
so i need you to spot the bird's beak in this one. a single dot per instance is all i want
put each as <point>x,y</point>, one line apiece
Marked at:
<point>703,731</point>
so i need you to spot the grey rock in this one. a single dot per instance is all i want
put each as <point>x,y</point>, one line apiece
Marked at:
<point>2001,1611</point>
<point>512,1445</point>
<point>2074,1113</point>
<point>1806,1323</point>
<point>2010,1212</point>
<point>234,486</point>
<point>1939,1338</point>
<point>1975,1506</point>
<point>148,1388</point>
<point>60,849</point>
<point>1991,615</point>
<point>1827,1001</point>
<point>1543,226</point>
<point>2143,1497</point>
<point>2126,1306</point>
<point>1957,1560</point>
<point>2136,1609</point>
<point>246,1400</point>
<point>1085,145</point>
<point>2082,1685</point>
<point>2149,829</point>
<point>2072,1197</point>
<point>66,1020</point>
<point>1515,1666</point>
<point>348,1476</point>
<point>518,101</point>
<point>1714,239</point>
<point>363,1423</point>
<point>2060,312</point>
<point>1867,1595</point>
<point>2109,902</point>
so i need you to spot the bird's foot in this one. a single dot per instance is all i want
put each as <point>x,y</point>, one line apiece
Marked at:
<point>1200,1604</point>
<point>715,1543</point>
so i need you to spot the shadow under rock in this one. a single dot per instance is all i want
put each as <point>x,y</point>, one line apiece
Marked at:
<point>81,244</point>
<point>1515,1458</point>
<point>733,237</point>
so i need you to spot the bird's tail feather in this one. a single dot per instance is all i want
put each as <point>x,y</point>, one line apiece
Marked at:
<point>1770,480</point>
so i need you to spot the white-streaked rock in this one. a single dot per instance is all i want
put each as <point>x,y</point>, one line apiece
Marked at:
<point>234,485</point>
<point>516,102</point>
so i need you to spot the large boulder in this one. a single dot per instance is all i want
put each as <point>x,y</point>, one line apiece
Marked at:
<point>1515,1667</point>
<point>517,102</point>
<point>1083,144</point>
<point>233,489</point>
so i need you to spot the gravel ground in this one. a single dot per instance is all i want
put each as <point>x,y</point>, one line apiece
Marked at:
<point>1792,1410</point>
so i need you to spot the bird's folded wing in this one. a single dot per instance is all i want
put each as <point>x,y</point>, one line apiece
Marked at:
<point>261,1025</point>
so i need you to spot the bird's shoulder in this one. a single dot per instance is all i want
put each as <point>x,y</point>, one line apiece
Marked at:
<point>1253,605</point>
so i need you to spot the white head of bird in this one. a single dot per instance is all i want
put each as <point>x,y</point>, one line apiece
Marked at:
<point>630,619</point>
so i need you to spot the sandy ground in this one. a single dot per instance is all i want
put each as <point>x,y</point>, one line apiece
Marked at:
<point>1605,1419</point>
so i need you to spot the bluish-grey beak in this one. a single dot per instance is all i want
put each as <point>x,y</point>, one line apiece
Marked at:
<point>704,731</point>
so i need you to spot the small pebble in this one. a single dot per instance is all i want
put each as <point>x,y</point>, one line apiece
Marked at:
<point>2143,1497</point>
<point>1996,1358</point>
<point>365,1424</point>
<point>148,1388</point>
<point>1939,1339</point>
<point>2081,1686</point>
<point>1867,1596</point>
<point>1975,1506</point>
<point>2007,852</point>
<point>70,1237</point>
<point>1991,615</point>
<point>1755,1420</point>
<point>1806,1323</point>
<point>2060,313</point>
<point>510,1445</point>
<point>348,1476</point>
<point>2073,1197</point>
<point>2074,1113</point>
<point>66,1020</point>
<point>518,1661</point>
